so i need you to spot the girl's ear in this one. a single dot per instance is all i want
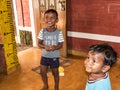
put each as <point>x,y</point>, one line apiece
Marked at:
<point>105,68</point>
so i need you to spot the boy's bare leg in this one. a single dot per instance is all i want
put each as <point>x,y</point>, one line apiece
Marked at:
<point>55,73</point>
<point>43,72</point>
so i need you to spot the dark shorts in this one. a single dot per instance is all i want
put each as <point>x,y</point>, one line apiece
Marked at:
<point>52,62</point>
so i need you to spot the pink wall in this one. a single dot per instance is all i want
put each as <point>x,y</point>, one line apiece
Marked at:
<point>93,16</point>
<point>23,12</point>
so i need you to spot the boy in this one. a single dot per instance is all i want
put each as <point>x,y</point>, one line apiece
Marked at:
<point>100,59</point>
<point>50,40</point>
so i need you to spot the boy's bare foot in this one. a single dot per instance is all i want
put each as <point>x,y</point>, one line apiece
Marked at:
<point>44,88</point>
<point>56,88</point>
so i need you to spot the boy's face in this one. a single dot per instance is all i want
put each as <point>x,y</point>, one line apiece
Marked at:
<point>94,62</point>
<point>50,19</point>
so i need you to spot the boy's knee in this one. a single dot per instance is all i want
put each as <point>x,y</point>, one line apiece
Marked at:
<point>55,74</point>
<point>43,73</point>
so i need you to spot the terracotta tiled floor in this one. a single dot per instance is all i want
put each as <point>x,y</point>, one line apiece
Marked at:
<point>75,76</point>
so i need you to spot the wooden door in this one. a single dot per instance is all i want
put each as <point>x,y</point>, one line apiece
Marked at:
<point>40,6</point>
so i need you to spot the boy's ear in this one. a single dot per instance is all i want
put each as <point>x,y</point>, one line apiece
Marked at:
<point>57,20</point>
<point>105,68</point>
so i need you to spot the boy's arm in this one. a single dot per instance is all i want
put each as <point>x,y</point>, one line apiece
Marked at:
<point>40,44</point>
<point>60,44</point>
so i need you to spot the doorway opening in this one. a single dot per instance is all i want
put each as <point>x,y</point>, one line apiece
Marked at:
<point>26,40</point>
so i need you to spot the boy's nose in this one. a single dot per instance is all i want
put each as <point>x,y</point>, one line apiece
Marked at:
<point>49,19</point>
<point>89,62</point>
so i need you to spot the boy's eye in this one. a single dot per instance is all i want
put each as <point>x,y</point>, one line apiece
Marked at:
<point>51,17</point>
<point>46,17</point>
<point>94,61</point>
<point>87,57</point>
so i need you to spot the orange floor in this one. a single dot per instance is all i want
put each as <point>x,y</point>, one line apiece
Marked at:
<point>75,76</point>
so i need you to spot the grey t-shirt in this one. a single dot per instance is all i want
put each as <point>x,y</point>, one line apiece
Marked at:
<point>50,38</point>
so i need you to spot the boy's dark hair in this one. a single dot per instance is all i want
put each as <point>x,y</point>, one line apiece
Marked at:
<point>110,55</point>
<point>51,11</point>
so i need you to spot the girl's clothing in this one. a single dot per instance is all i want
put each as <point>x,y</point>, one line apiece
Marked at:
<point>101,84</point>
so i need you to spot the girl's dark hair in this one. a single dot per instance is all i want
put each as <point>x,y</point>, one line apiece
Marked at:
<point>110,55</point>
<point>51,11</point>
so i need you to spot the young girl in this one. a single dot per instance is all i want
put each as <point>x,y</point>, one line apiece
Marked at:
<point>50,40</point>
<point>100,59</point>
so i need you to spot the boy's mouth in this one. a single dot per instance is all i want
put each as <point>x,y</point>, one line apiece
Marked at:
<point>49,22</point>
<point>87,68</point>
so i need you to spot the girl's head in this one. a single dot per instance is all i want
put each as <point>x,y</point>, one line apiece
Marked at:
<point>51,17</point>
<point>100,58</point>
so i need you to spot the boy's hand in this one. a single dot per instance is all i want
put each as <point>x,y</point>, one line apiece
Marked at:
<point>50,48</point>
<point>47,48</point>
